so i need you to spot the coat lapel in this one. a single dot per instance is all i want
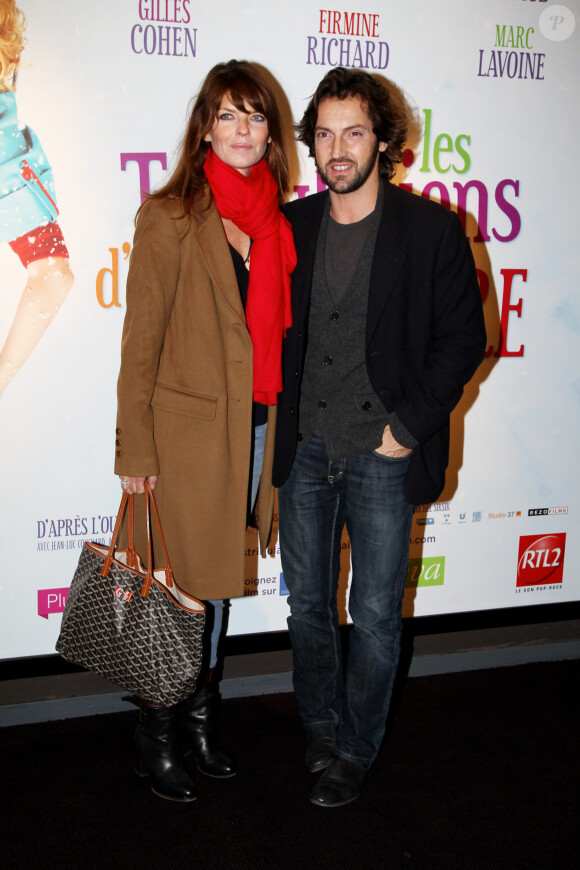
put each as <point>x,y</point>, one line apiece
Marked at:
<point>215,251</point>
<point>305,231</point>
<point>388,260</point>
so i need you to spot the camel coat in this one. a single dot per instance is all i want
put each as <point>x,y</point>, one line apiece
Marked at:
<point>185,397</point>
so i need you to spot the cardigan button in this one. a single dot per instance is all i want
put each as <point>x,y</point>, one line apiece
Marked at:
<point>323,404</point>
<point>300,437</point>
<point>328,360</point>
<point>334,315</point>
<point>119,452</point>
<point>366,406</point>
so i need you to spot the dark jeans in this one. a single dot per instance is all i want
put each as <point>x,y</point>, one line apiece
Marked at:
<point>319,497</point>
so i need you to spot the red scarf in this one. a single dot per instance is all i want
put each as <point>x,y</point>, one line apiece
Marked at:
<point>251,202</point>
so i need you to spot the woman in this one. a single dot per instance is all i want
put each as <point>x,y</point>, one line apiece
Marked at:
<point>28,211</point>
<point>208,303</point>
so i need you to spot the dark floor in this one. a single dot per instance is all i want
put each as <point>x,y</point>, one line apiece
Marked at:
<point>478,770</point>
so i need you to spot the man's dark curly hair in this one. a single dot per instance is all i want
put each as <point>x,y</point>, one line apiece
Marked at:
<point>388,118</point>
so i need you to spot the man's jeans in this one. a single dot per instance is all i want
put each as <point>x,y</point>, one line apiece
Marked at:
<point>319,497</point>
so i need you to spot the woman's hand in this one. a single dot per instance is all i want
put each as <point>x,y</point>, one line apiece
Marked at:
<point>132,485</point>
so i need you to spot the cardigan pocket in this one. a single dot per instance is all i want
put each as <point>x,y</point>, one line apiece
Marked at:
<point>185,403</point>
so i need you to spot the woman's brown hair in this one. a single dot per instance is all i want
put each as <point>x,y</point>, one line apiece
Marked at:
<point>244,85</point>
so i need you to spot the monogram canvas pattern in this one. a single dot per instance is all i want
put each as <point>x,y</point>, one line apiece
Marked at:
<point>151,646</point>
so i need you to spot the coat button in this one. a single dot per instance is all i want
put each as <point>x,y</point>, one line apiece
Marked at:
<point>292,410</point>
<point>117,431</point>
<point>118,442</point>
<point>334,315</point>
<point>119,452</point>
<point>366,406</point>
<point>323,404</point>
<point>328,360</point>
<point>300,437</point>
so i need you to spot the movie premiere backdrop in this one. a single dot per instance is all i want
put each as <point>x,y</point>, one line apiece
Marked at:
<point>491,88</point>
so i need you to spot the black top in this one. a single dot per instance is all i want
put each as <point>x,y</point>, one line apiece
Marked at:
<point>260,412</point>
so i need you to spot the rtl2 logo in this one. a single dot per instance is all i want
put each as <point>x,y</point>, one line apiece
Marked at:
<point>120,593</point>
<point>541,559</point>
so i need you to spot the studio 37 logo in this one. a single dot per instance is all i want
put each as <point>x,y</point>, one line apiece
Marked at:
<point>541,559</point>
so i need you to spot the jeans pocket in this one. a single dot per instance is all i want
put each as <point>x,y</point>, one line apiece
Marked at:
<point>384,458</point>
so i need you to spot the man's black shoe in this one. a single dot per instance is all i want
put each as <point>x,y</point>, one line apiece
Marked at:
<point>320,749</point>
<point>340,784</point>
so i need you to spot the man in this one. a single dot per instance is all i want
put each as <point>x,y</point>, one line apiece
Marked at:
<point>387,329</point>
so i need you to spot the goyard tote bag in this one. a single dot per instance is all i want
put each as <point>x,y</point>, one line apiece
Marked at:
<point>133,625</point>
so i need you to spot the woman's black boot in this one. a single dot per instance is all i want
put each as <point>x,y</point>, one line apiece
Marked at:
<point>158,745</point>
<point>195,720</point>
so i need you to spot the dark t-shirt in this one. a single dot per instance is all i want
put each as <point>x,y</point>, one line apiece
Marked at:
<point>344,244</point>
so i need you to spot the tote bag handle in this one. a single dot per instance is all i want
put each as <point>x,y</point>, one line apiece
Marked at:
<point>132,560</point>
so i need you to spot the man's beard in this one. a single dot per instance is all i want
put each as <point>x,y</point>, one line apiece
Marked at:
<point>343,185</point>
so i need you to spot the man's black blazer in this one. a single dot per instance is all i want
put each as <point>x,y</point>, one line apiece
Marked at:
<point>425,332</point>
